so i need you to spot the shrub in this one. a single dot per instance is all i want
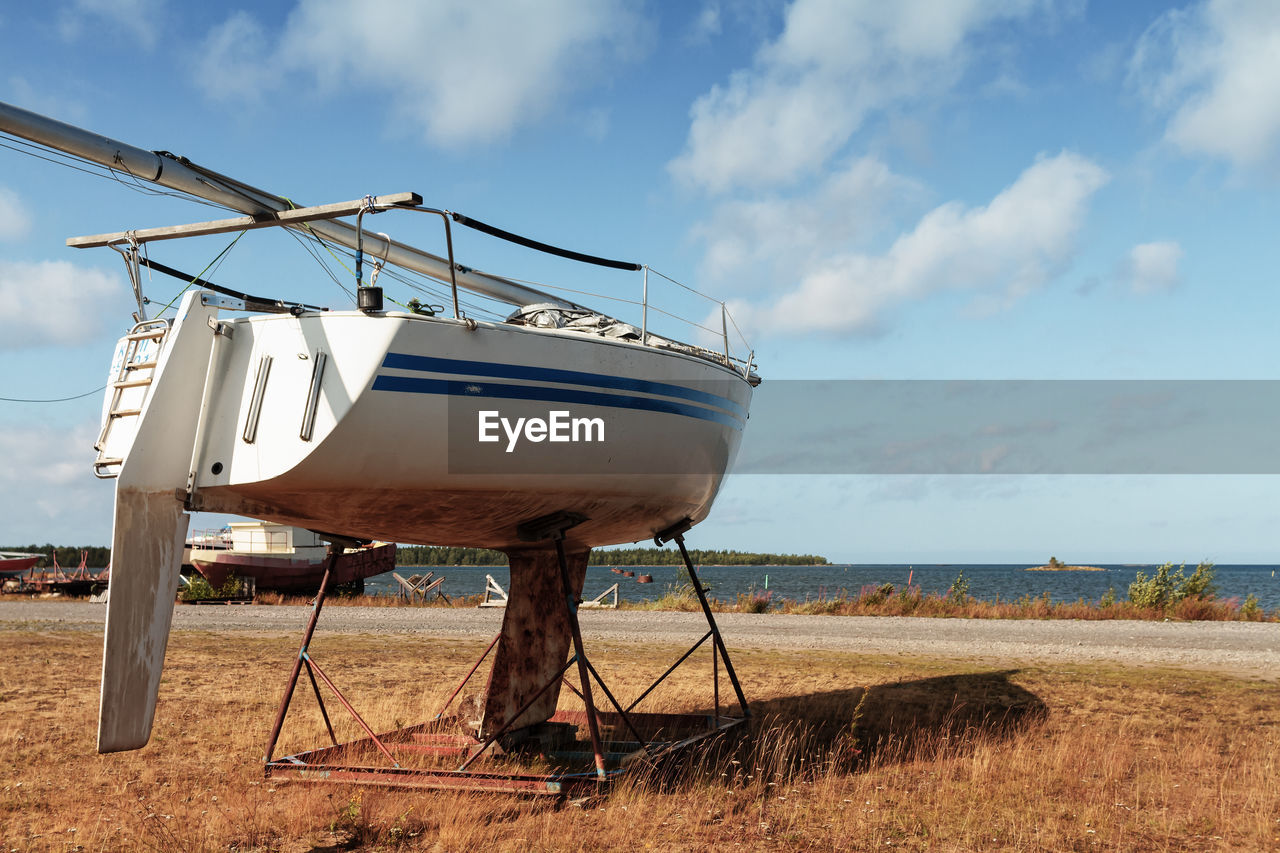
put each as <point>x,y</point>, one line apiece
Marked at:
<point>1200,584</point>
<point>1165,589</point>
<point>199,589</point>
<point>959,592</point>
<point>680,596</point>
<point>875,595</point>
<point>1250,609</point>
<point>754,601</point>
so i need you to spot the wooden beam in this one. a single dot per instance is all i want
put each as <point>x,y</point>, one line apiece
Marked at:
<point>244,223</point>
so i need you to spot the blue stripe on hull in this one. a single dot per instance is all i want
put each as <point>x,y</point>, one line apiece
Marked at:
<point>499,391</point>
<point>405,361</point>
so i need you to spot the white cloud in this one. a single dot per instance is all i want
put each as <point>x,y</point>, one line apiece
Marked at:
<point>50,303</point>
<point>1004,249</point>
<point>808,91</point>
<point>768,238</point>
<point>140,19</point>
<point>47,490</point>
<point>1215,67</point>
<point>229,62</point>
<point>14,223</point>
<point>462,71</point>
<point>1152,267</point>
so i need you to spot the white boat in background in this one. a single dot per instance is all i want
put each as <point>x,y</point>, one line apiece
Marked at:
<point>280,558</point>
<point>369,423</point>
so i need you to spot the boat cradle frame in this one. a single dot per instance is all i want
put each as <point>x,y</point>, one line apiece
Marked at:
<point>651,738</point>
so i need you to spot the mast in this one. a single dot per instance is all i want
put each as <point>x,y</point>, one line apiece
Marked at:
<point>178,173</point>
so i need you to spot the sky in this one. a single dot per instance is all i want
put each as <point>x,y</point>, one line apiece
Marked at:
<point>968,190</point>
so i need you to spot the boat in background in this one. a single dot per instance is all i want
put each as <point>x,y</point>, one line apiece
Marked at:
<point>281,558</point>
<point>14,563</point>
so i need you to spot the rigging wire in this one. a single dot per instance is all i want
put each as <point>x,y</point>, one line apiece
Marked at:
<point>310,250</point>
<point>338,252</point>
<point>134,183</point>
<point>211,265</point>
<point>55,399</point>
<point>91,168</point>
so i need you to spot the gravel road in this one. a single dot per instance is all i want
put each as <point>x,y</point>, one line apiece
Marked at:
<point>1243,648</point>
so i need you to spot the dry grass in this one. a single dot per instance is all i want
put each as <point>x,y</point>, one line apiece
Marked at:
<point>875,601</point>
<point>871,601</point>
<point>943,756</point>
<point>273,598</point>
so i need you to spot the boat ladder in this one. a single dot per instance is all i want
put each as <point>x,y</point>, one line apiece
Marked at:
<point>137,370</point>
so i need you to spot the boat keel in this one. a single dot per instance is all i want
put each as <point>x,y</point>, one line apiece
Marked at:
<point>535,639</point>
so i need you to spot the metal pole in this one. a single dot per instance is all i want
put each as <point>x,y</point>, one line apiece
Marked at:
<point>715,681</point>
<point>711,622</point>
<point>593,726</point>
<point>609,695</point>
<point>458,689</point>
<point>724,331</point>
<point>670,670</point>
<point>320,699</point>
<point>453,267</point>
<point>360,248</point>
<point>644,311</point>
<point>312,665</point>
<point>527,705</point>
<point>335,551</point>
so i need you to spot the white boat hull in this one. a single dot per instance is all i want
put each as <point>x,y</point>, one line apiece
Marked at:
<point>394,451</point>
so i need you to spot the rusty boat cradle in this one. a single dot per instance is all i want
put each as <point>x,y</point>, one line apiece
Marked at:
<point>619,740</point>
<point>79,582</point>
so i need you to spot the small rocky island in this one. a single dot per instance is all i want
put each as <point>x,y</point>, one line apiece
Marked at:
<point>1054,565</point>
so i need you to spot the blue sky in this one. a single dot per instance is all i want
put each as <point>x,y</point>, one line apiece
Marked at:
<point>971,190</point>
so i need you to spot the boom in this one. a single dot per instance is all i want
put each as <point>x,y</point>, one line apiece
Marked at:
<point>178,173</point>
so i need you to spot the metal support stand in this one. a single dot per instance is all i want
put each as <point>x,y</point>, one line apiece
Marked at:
<point>676,532</point>
<point>334,551</point>
<point>652,735</point>
<point>584,672</point>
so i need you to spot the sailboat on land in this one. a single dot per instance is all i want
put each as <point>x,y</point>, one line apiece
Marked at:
<point>382,423</point>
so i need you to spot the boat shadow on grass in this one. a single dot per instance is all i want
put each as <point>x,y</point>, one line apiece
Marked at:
<point>843,731</point>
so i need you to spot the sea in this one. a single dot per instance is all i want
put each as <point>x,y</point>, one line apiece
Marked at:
<point>986,581</point>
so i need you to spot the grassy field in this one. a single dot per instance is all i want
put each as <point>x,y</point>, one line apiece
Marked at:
<point>848,752</point>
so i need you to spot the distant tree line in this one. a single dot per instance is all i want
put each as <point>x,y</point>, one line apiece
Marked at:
<point>68,555</point>
<point>425,555</point>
